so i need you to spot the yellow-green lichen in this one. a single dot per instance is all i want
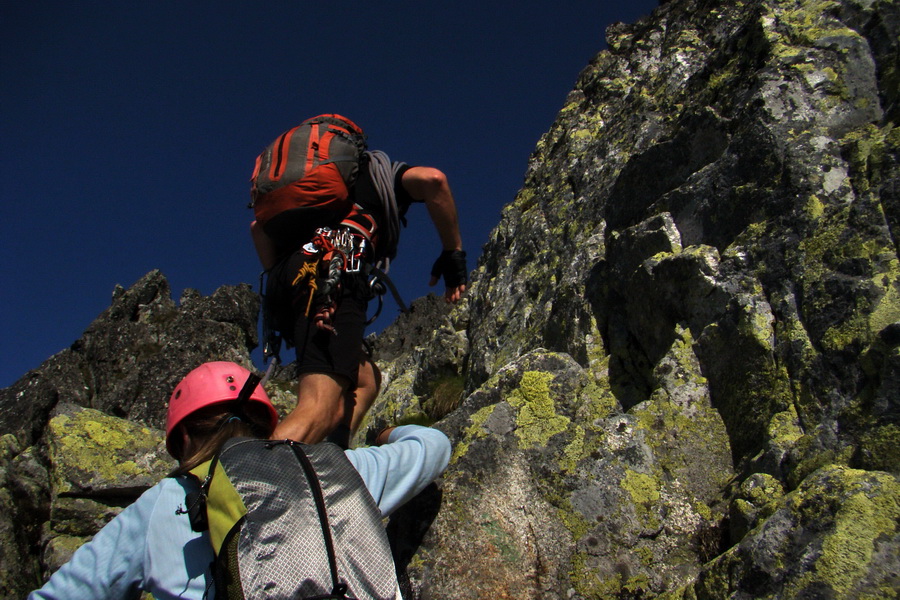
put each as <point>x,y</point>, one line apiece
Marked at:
<point>814,207</point>
<point>573,520</point>
<point>589,582</point>
<point>573,452</point>
<point>806,21</point>
<point>473,432</point>
<point>702,509</point>
<point>869,511</point>
<point>757,322</point>
<point>9,447</point>
<point>597,356</point>
<point>814,458</point>
<point>537,420</point>
<point>834,243</point>
<point>645,555</point>
<point>642,488</point>
<point>644,492</point>
<point>762,489</point>
<point>637,585</point>
<point>879,448</point>
<point>95,443</point>
<point>887,308</point>
<point>847,553</point>
<point>866,150</point>
<point>685,592</point>
<point>869,317</point>
<point>784,428</point>
<point>595,402</point>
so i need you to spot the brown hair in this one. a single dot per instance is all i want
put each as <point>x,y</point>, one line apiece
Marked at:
<point>212,426</point>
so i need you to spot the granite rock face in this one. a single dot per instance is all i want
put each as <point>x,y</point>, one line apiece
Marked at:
<point>707,236</point>
<point>676,373</point>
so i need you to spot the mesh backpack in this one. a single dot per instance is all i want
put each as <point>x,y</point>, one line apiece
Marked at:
<point>291,521</point>
<point>305,175</point>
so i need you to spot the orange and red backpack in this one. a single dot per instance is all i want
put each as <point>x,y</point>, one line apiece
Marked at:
<point>305,175</point>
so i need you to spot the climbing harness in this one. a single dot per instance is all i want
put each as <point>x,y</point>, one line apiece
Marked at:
<point>342,251</point>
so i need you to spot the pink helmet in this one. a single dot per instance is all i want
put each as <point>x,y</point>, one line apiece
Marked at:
<point>208,384</point>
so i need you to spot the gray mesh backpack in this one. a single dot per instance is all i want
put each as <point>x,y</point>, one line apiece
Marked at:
<point>291,521</point>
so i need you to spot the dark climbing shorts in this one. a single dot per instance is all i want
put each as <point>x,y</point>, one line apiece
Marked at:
<point>318,350</point>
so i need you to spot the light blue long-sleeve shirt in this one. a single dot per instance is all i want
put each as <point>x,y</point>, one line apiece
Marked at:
<point>149,547</point>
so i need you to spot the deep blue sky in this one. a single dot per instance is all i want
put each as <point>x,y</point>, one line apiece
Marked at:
<point>129,130</point>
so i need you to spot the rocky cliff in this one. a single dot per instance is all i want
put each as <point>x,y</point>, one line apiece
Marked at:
<point>677,372</point>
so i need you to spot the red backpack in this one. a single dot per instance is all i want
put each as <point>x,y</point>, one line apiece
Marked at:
<point>302,179</point>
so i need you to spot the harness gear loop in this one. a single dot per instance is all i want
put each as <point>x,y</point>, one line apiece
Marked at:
<point>343,250</point>
<point>380,281</point>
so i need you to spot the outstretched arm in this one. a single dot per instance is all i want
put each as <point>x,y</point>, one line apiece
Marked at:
<point>408,458</point>
<point>431,186</point>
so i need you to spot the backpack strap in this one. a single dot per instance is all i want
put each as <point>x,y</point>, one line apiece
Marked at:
<point>271,337</point>
<point>196,501</point>
<point>338,590</point>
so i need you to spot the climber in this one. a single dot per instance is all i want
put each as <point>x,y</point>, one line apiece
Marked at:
<point>319,310</point>
<point>151,545</point>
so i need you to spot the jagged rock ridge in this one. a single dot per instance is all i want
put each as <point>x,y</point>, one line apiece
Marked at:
<point>676,373</point>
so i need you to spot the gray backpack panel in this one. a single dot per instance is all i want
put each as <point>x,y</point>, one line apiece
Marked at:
<point>281,548</point>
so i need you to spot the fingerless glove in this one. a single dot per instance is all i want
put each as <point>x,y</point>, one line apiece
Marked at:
<point>451,265</point>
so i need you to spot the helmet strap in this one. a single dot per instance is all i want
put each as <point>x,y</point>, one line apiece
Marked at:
<point>248,389</point>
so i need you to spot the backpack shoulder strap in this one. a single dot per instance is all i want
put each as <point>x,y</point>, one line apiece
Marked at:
<point>196,500</point>
<point>338,589</point>
<point>227,507</point>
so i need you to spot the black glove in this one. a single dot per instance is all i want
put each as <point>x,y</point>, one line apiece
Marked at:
<point>451,264</point>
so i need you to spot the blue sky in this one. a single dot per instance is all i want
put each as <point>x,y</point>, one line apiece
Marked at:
<point>129,130</point>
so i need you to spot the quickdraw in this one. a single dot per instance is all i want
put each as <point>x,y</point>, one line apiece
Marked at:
<point>343,252</point>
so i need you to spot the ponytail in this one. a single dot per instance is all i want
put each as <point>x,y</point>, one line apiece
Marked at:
<point>208,430</point>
